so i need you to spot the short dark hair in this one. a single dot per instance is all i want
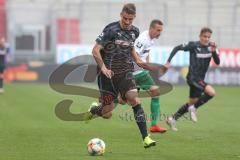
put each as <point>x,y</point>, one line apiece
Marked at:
<point>129,8</point>
<point>155,21</point>
<point>205,29</point>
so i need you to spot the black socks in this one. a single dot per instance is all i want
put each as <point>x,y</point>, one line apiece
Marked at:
<point>140,120</point>
<point>203,99</point>
<point>181,111</point>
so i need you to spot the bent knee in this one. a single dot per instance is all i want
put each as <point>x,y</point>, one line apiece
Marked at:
<point>209,90</point>
<point>133,101</point>
<point>212,94</point>
<point>132,97</point>
<point>154,91</point>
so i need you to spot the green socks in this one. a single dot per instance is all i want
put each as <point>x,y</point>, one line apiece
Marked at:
<point>155,108</point>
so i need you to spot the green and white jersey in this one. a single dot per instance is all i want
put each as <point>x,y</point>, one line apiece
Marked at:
<point>143,45</point>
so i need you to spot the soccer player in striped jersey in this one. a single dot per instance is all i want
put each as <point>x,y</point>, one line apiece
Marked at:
<point>201,53</point>
<point>114,53</point>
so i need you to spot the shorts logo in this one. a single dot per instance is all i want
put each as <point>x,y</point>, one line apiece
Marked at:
<point>107,99</point>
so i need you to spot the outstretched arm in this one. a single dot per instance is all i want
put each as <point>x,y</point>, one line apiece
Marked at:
<point>185,47</point>
<point>142,64</point>
<point>174,51</point>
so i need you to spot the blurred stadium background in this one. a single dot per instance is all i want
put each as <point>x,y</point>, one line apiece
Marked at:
<point>50,32</point>
<point>44,34</point>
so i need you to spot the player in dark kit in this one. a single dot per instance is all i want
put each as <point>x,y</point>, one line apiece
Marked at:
<point>201,53</point>
<point>4,50</point>
<point>114,52</point>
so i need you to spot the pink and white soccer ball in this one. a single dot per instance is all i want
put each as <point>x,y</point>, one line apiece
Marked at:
<point>96,147</point>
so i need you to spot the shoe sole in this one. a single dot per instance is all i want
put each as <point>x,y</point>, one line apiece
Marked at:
<point>150,145</point>
<point>158,131</point>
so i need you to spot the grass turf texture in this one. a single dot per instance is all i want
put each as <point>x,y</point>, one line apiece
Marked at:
<point>29,129</point>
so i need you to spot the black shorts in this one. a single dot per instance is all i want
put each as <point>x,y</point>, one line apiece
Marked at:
<point>110,88</point>
<point>196,88</point>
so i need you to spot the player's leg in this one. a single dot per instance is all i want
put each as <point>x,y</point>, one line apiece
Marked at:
<point>184,108</point>
<point>171,121</point>
<point>100,110</point>
<point>140,118</point>
<point>129,93</point>
<point>145,82</point>
<point>155,109</point>
<point>104,109</point>
<point>108,95</point>
<point>155,104</point>
<point>202,91</point>
<point>194,93</point>
<point>209,93</point>
<point>192,109</point>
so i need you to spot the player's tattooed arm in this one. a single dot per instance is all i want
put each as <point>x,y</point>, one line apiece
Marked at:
<point>98,58</point>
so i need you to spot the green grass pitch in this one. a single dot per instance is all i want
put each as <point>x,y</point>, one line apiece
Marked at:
<point>29,129</point>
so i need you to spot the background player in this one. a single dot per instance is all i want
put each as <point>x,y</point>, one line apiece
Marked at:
<point>201,53</point>
<point>142,77</point>
<point>4,50</point>
<point>113,53</point>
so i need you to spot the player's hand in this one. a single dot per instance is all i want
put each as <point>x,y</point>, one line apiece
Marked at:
<point>107,72</point>
<point>213,46</point>
<point>166,66</point>
<point>163,69</point>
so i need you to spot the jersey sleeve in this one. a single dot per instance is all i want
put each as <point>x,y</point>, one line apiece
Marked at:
<point>105,36</point>
<point>137,32</point>
<point>216,57</point>
<point>186,46</point>
<point>139,45</point>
